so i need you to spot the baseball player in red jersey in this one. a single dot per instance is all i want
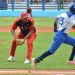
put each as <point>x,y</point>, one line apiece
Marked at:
<point>27,32</point>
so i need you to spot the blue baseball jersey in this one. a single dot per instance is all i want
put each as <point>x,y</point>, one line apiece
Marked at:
<point>66,21</point>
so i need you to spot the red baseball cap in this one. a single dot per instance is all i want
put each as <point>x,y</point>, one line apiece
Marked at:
<point>24,15</point>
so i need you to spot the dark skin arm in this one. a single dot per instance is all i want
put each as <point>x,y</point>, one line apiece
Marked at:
<point>14,34</point>
<point>55,24</point>
<point>27,36</point>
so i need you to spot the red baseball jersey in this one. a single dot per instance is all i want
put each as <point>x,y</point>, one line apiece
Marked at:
<point>25,27</point>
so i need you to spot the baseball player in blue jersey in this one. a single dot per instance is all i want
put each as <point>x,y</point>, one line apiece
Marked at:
<point>62,24</point>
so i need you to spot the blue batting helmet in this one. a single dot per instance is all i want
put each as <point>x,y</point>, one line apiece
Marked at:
<point>72,8</point>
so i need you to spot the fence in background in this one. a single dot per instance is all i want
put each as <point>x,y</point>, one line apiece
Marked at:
<point>3,5</point>
<point>41,8</point>
<point>34,4</point>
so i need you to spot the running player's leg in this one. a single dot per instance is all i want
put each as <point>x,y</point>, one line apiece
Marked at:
<point>55,45</point>
<point>58,40</point>
<point>70,61</point>
<point>72,54</point>
<point>71,41</point>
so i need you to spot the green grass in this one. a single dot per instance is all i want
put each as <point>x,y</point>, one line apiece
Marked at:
<point>41,44</point>
<point>39,22</point>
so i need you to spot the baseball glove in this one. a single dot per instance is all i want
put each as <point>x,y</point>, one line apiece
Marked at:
<point>19,43</point>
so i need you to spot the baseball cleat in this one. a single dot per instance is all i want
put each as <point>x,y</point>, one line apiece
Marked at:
<point>71,62</point>
<point>33,64</point>
<point>11,58</point>
<point>27,61</point>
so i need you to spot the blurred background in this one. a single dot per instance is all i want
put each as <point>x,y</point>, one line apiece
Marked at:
<point>35,4</point>
<point>44,7</point>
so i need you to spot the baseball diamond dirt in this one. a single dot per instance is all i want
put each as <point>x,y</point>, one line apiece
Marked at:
<point>36,72</point>
<point>30,71</point>
<point>39,29</point>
